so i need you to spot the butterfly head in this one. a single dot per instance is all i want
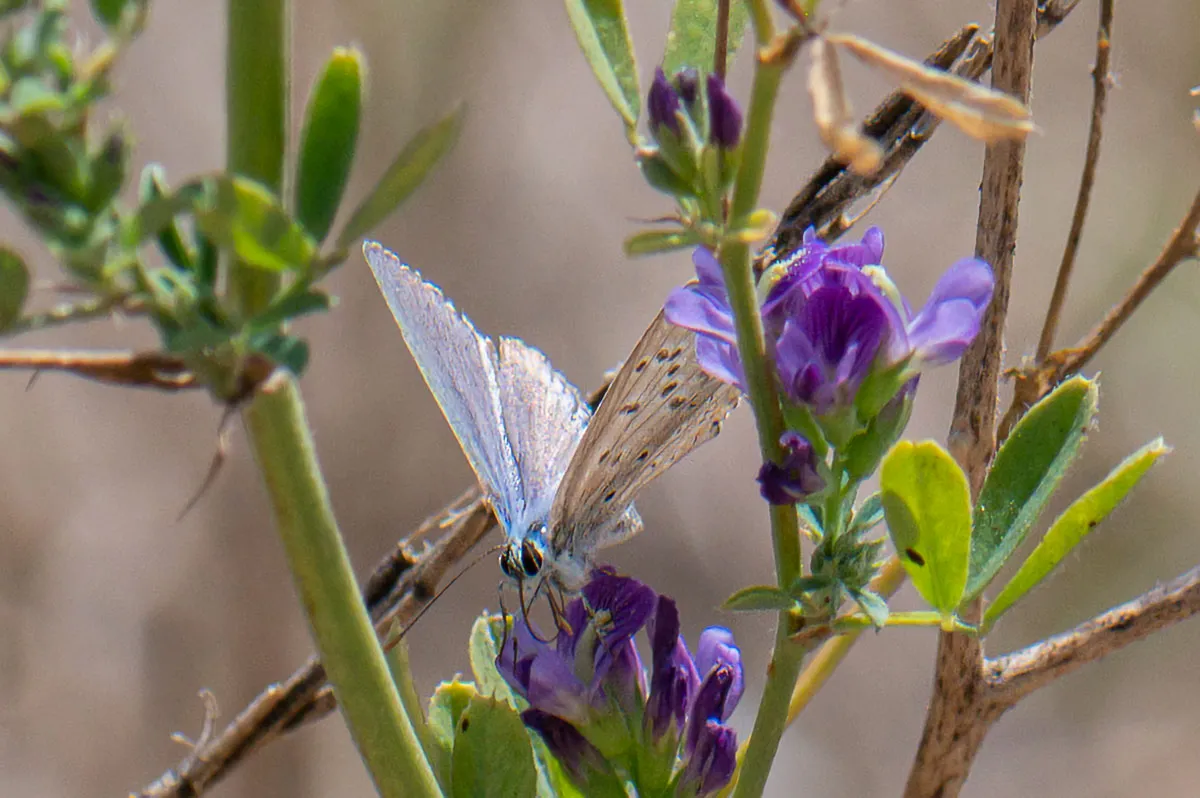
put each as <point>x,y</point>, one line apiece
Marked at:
<point>523,557</point>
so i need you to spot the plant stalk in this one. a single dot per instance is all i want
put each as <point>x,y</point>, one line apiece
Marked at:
<point>338,620</point>
<point>256,117</point>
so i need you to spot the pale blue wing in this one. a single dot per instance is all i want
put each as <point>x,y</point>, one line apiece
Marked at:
<point>660,406</point>
<point>545,416</point>
<point>461,368</point>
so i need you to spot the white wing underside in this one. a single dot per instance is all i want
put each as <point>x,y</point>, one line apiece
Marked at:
<point>660,407</point>
<point>517,419</point>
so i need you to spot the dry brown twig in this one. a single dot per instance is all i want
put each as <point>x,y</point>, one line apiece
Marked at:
<point>129,369</point>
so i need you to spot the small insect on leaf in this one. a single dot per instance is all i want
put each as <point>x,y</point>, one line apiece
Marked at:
<point>831,111</point>
<point>978,111</point>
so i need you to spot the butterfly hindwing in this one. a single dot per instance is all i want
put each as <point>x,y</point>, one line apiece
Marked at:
<point>461,367</point>
<point>545,416</point>
<point>660,407</point>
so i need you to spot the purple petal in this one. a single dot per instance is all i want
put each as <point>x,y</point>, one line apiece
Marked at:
<point>719,360</point>
<point>716,649</point>
<point>950,320</point>
<point>708,269</point>
<point>711,763</point>
<point>695,308</point>
<point>724,116</point>
<point>662,103</point>
<point>687,82</point>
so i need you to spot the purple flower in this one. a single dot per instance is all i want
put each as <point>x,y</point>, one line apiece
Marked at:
<point>834,318</point>
<point>703,306</point>
<point>591,702</point>
<point>662,103</point>
<point>712,762</point>
<point>724,117</point>
<point>687,82</point>
<point>796,478</point>
<point>574,676</point>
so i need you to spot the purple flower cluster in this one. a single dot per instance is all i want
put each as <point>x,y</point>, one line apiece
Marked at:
<point>663,105</point>
<point>598,713</point>
<point>834,322</point>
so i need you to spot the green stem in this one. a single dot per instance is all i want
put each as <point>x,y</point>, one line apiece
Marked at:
<point>256,95</point>
<point>787,656</point>
<point>345,638</point>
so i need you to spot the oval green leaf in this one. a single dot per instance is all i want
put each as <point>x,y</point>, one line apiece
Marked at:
<point>1025,473</point>
<point>487,633</point>
<point>692,40</point>
<point>492,757</point>
<point>246,217</point>
<point>927,505</point>
<point>14,287</point>
<point>446,706</point>
<point>1074,525</point>
<point>759,598</point>
<point>328,140</point>
<point>603,35</point>
<point>410,168</point>
<point>652,242</point>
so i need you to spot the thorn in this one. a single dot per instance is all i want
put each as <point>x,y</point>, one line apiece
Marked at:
<point>218,460</point>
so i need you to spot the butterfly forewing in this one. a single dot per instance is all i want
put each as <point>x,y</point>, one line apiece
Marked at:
<point>545,416</point>
<point>660,406</point>
<point>460,366</point>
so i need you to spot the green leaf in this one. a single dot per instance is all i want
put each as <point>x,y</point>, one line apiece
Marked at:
<point>411,167</point>
<point>692,40</point>
<point>662,177</point>
<point>328,141</point>
<point>247,218</point>
<point>759,598</point>
<point>286,350</point>
<point>650,242</point>
<point>492,755</point>
<point>1074,525</point>
<point>14,286</point>
<point>928,508</point>
<point>868,514</point>
<point>486,635</point>
<point>153,191</point>
<point>299,301</point>
<point>873,605</point>
<point>447,705</point>
<point>603,36</point>
<point>1025,473</point>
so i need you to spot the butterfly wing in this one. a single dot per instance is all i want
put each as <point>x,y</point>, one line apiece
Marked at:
<point>545,416</point>
<point>660,407</point>
<point>461,368</point>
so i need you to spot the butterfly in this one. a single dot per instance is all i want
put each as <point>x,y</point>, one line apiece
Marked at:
<point>560,480</point>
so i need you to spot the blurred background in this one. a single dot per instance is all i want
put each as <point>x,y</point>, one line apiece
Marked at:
<point>113,614</point>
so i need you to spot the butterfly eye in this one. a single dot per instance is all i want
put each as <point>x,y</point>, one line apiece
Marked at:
<point>508,564</point>
<point>531,558</point>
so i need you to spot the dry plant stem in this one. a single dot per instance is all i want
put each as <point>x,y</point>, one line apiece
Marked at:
<point>1034,383</point>
<point>304,696</point>
<point>1101,81</point>
<point>901,126</point>
<point>131,369</point>
<point>953,734</point>
<point>1014,676</point>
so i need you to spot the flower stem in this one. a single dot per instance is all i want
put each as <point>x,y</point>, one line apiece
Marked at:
<point>256,94</point>
<point>787,656</point>
<point>345,638</point>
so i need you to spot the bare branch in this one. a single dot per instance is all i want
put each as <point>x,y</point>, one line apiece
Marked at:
<point>1035,382</point>
<point>1016,675</point>
<point>953,733</point>
<point>1101,81</point>
<point>138,369</point>
<point>901,126</point>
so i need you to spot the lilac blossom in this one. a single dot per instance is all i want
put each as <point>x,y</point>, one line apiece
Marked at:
<point>724,116</point>
<point>591,701</point>
<point>662,103</point>
<point>796,478</point>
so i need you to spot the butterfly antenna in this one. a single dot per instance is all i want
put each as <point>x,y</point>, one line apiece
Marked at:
<point>526,607</point>
<point>393,641</point>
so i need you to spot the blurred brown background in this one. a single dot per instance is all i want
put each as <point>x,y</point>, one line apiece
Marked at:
<point>113,614</point>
